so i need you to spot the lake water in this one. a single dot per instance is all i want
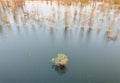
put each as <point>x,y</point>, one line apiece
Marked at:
<point>33,32</point>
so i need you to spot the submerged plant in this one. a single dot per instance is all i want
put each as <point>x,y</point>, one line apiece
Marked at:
<point>60,60</point>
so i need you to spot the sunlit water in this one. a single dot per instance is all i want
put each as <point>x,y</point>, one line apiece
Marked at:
<point>32,34</point>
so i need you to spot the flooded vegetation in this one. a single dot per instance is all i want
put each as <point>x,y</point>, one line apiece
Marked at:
<point>34,31</point>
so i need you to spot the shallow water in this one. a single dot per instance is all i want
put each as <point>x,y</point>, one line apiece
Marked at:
<point>36,31</point>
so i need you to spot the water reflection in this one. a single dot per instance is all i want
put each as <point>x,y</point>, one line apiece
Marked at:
<point>60,70</point>
<point>88,34</point>
<point>88,16</point>
<point>1,30</point>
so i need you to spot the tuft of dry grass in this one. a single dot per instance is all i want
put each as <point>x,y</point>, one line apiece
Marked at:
<point>116,1</point>
<point>60,60</point>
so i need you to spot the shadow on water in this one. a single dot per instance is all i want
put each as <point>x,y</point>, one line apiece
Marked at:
<point>1,30</point>
<point>88,35</point>
<point>66,33</point>
<point>52,34</point>
<point>60,70</point>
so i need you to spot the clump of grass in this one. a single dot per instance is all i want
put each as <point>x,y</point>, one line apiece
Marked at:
<point>60,60</point>
<point>117,1</point>
<point>84,1</point>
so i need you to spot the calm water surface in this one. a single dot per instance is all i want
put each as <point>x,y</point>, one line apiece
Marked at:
<point>34,32</point>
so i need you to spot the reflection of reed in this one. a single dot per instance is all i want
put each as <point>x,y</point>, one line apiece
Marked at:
<point>111,34</point>
<point>91,18</point>
<point>52,18</point>
<point>52,35</point>
<point>1,30</point>
<point>66,32</point>
<point>67,14</point>
<point>78,13</point>
<point>61,70</point>
<point>88,35</point>
<point>84,19</point>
